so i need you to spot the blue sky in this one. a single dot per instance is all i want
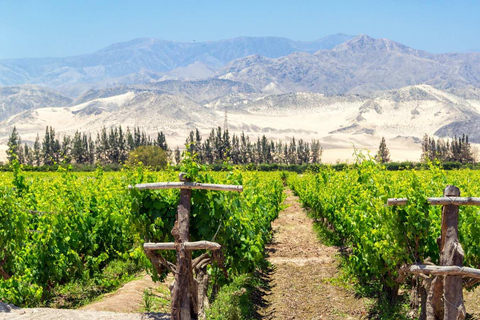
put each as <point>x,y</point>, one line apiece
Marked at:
<point>61,28</point>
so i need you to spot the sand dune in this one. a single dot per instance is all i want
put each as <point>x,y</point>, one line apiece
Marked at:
<point>341,123</point>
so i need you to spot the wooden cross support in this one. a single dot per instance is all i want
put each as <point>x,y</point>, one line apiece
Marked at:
<point>446,286</point>
<point>187,300</point>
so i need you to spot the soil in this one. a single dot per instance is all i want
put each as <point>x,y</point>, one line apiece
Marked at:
<point>472,303</point>
<point>127,299</point>
<point>55,314</point>
<point>303,280</point>
<point>123,304</point>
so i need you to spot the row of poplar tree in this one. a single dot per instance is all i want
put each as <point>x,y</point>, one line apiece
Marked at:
<point>220,147</point>
<point>110,146</point>
<point>456,150</point>
<point>113,146</point>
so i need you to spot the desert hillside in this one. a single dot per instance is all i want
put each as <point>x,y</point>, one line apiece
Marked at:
<point>342,122</point>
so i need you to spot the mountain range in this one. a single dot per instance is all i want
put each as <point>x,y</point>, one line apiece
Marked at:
<point>146,59</point>
<point>359,65</point>
<point>340,89</point>
<point>336,64</point>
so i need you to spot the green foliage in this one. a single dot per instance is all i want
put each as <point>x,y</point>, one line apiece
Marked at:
<point>240,222</point>
<point>233,301</point>
<point>13,145</point>
<point>151,156</point>
<point>61,229</point>
<point>382,239</point>
<point>190,165</point>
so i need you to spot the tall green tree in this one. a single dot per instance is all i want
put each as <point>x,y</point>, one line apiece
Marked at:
<point>13,145</point>
<point>78,149</point>
<point>130,140</point>
<point>383,155</point>
<point>65,150</point>
<point>90,148</point>
<point>48,146</point>
<point>161,141</point>
<point>122,146</point>
<point>178,156</point>
<point>316,151</point>
<point>37,152</point>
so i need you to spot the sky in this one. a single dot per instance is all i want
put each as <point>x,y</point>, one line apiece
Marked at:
<point>58,28</point>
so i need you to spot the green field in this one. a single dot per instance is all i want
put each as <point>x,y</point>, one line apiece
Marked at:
<point>68,237</point>
<point>64,230</point>
<point>382,239</point>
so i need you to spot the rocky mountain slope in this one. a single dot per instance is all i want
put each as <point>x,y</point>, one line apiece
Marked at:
<point>17,99</point>
<point>360,65</point>
<point>201,91</point>
<point>146,58</point>
<point>148,109</point>
<point>337,64</point>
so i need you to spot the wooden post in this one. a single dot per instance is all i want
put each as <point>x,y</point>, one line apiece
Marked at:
<point>181,307</point>
<point>451,254</point>
<point>434,299</point>
<point>188,296</point>
<point>444,292</point>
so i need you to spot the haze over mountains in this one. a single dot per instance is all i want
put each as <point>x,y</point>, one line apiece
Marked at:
<point>340,89</point>
<point>360,65</point>
<point>143,60</point>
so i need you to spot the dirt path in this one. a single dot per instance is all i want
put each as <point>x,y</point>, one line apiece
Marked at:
<point>304,270</point>
<point>124,304</point>
<point>128,298</point>
<point>56,314</point>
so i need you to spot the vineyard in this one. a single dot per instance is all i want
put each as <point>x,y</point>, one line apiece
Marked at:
<point>63,230</point>
<point>380,239</point>
<point>66,228</point>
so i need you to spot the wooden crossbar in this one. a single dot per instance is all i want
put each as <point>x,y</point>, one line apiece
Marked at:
<point>397,201</point>
<point>446,284</point>
<point>445,270</point>
<point>187,185</point>
<point>185,286</point>
<point>197,245</point>
<point>442,201</point>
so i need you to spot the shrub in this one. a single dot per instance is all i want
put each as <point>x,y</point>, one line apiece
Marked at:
<point>151,156</point>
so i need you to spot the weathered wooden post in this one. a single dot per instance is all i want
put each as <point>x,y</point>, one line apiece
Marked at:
<point>451,254</point>
<point>181,293</point>
<point>187,295</point>
<point>444,292</point>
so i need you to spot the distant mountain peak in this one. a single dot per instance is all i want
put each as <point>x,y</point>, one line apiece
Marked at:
<point>123,62</point>
<point>360,65</point>
<point>366,44</point>
<point>363,41</point>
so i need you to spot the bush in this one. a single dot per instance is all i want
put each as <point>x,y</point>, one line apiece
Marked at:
<point>151,156</point>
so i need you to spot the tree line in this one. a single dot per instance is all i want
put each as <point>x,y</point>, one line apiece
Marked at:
<point>114,145</point>
<point>219,146</point>
<point>458,149</point>
<point>110,146</point>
